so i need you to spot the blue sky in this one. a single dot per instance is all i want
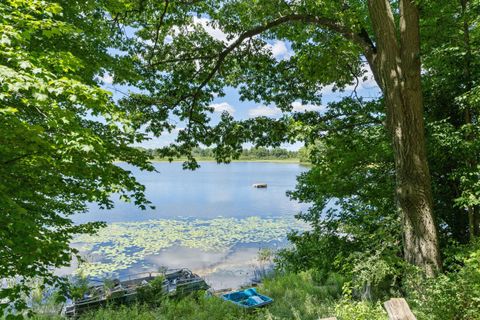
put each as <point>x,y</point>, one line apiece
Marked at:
<point>242,110</point>
<point>247,109</point>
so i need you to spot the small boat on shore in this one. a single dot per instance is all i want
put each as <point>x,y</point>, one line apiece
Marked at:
<point>248,298</point>
<point>259,185</point>
<point>175,282</point>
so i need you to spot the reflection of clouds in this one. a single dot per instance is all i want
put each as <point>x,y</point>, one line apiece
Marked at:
<point>229,268</point>
<point>212,191</point>
<point>297,206</point>
<point>67,270</point>
<point>120,246</point>
<point>221,270</point>
<point>181,257</point>
<point>236,270</point>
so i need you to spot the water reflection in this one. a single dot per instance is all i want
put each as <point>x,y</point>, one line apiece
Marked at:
<point>212,221</point>
<point>211,191</point>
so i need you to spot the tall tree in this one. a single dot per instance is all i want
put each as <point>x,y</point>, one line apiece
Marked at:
<point>60,134</point>
<point>185,67</point>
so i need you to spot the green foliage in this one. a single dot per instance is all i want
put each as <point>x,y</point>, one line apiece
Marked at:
<point>302,290</point>
<point>260,153</point>
<point>359,310</point>
<point>59,136</point>
<point>352,175</point>
<point>185,68</point>
<point>153,293</point>
<point>303,296</point>
<point>54,116</point>
<point>452,109</point>
<point>306,295</point>
<point>78,287</point>
<point>193,307</point>
<point>453,295</point>
<point>352,167</point>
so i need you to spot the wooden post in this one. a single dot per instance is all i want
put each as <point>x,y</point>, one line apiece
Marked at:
<point>398,309</point>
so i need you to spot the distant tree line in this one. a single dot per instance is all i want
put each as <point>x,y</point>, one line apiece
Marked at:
<point>260,153</point>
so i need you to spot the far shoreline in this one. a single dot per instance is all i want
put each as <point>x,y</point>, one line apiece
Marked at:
<point>277,161</point>
<point>239,160</point>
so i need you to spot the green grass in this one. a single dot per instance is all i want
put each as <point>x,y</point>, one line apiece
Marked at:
<point>296,296</point>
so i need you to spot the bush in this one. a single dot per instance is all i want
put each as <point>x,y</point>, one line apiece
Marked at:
<point>152,293</point>
<point>453,295</point>
<point>304,295</point>
<point>359,310</point>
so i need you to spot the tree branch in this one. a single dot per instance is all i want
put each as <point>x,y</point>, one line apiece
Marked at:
<point>19,158</point>
<point>181,59</point>
<point>157,31</point>
<point>361,39</point>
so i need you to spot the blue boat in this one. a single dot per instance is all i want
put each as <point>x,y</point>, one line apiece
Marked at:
<point>248,298</point>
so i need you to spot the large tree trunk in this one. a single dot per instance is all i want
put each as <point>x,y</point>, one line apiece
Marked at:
<point>396,66</point>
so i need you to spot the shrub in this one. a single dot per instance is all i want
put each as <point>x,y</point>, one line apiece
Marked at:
<point>359,310</point>
<point>305,295</point>
<point>453,295</point>
<point>152,293</point>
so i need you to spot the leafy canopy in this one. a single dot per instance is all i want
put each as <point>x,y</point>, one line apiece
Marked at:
<point>60,134</point>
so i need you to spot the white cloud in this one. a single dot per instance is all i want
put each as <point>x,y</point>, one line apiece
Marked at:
<point>221,107</point>
<point>204,23</point>
<point>107,78</point>
<point>264,111</point>
<point>299,107</point>
<point>370,83</point>
<point>279,50</point>
<point>214,32</point>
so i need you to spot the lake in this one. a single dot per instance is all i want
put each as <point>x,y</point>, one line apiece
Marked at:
<point>210,220</point>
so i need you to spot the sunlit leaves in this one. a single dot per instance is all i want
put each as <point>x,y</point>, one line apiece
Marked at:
<point>60,134</point>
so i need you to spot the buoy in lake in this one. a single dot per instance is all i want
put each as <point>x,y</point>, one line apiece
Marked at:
<point>259,185</point>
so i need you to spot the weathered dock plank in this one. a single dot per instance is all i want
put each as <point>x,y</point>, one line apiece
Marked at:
<point>398,309</point>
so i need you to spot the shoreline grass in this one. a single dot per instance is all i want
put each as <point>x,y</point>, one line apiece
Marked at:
<point>296,296</point>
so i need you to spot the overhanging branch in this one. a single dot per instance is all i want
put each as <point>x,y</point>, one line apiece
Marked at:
<point>360,39</point>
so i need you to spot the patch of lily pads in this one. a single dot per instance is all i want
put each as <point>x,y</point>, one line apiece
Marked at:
<point>122,245</point>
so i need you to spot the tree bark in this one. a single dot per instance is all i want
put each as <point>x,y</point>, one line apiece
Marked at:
<point>396,66</point>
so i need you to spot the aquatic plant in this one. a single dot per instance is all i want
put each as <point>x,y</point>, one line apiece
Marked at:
<point>122,245</point>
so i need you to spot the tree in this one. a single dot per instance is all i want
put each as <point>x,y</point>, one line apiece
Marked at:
<point>184,67</point>
<point>339,173</point>
<point>451,99</point>
<point>60,134</point>
<point>352,176</point>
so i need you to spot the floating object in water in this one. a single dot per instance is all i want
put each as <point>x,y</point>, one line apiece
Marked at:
<point>175,282</point>
<point>248,298</point>
<point>259,185</point>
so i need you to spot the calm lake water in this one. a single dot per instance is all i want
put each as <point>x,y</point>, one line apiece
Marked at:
<point>211,191</point>
<point>210,220</point>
